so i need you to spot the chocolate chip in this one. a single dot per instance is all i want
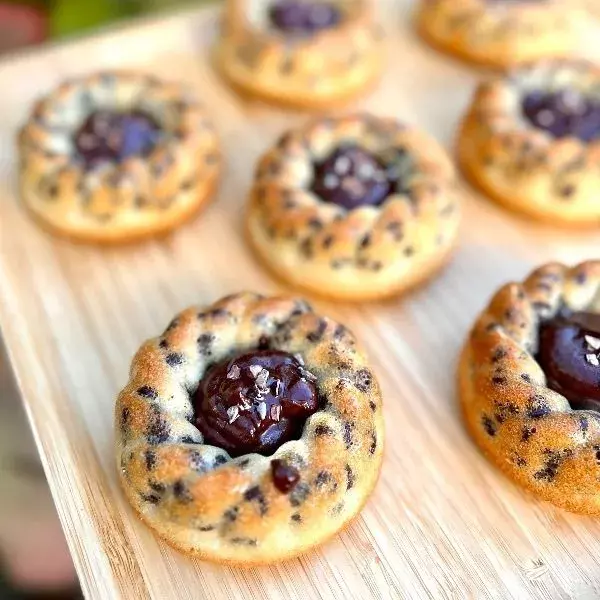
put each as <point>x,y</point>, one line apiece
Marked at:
<point>244,541</point>
<point>373,445</point>
<point>498,380</point>
<point>365,242</point>
<point>525,377</point>
<point>285,477</point>
<point>174,359</point>
<point>488,425</point>
<point>163,344</point>
<point>328,241</point>
<point>197,463</point>
<point>296,517</point>
<point>174,323</point>
<point>321,430</point>
<point>363,380</point>
<point>322,478</point>
<point>158,431</point>
<point>231,514</point>
<point>548,472</point>
<point>242,464</point>
<point>499,354</point>
<point>299,494</point>
<point>372,405</point>
<point>151,498</point>
<point>150,458</point>
<point>348,427</point>
<point>350,478</point>
<point>527,433</point>
<point>181,492</point>
<point>567,191</point>
<point>125,414</point>
<point>148,392</point>
<point>221,459</point>
<point>537,407</point>
<point>204,341</point>
<point>254,494</point>
<point>206,528</point>
<point>159,488</point>
<point>317,335</point>
<point>520,461</point>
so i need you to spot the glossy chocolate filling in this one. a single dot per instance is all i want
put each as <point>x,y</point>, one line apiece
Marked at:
<point>297,17</point>
<point>353,177</point>
<point>255,402</point>
<point>564,113</point>
<point>108,136</point>
<point>569,354</point>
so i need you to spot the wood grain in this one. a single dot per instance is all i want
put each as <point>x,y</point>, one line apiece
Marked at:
<point>442,522</point>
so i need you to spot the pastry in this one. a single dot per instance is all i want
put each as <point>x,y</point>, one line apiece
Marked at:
<point>310,54</point>
<point>357,207</point>
<point>501,33</point>
<point>117,156</point>
<point>250,431</point>
<point>531,141</point>
<point>529,377</point>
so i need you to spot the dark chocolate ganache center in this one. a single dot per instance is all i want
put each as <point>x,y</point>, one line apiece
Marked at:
<point>352,177</point>
<point>255,402</point>
<point>108,136</point>
<point>564,113</point>
<point>303,17</point>
<point>569,354</point>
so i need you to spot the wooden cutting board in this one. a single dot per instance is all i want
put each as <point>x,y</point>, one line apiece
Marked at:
<point>442,523</point>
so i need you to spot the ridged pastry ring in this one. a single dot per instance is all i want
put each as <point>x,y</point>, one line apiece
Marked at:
<point>501,34</point>
<point>112,201</point>
<point>534,338</point>
<point>252,508</point>
<point>307,69</point>
<point>531,141</point>
<point>368,250</point>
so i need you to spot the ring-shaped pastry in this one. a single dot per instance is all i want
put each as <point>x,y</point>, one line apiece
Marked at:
<point>309,54</point>
<point>529,377</point>
<point>501,33</point>
<point>117,156</point>
<point>531,141</point>
<point>356,207</point>
<point>250,431</point>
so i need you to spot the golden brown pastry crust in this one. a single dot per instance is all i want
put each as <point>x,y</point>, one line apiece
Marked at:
<point>501,35</point>
<point>311,72</point>
<point>228,510</point>
<point>526,429</point>
<point>369,252</point>
<point>143,196</point>
<point>523,167</point>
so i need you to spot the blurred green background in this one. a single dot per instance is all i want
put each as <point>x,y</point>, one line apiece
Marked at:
<point>28,22</point>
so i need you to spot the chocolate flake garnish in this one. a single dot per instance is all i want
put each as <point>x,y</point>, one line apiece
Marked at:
<point>234,372</point>
<point>262,410</point>
<point>592,342</point>
<point>255,370</point>
<point>233,412</point>
<point>592,359</point>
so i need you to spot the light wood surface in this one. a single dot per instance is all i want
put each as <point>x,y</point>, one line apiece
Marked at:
<point>443,523</point>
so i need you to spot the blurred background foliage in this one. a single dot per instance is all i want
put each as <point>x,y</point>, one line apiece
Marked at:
<point>29,22</point>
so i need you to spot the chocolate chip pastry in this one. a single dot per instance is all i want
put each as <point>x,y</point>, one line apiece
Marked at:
<point>310,54</point>
<point>529,377</point>
<point>250,431</point>
<point>531,141</point>
<point>117,156</point>
<point>356,207</point>
<point>501,33</point>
